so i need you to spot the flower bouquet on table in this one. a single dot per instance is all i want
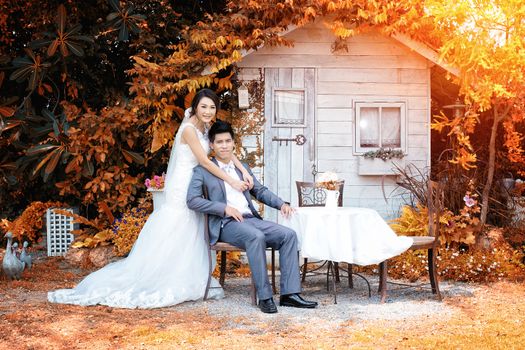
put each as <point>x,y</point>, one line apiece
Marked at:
<point>330,183</point>
<point>156,182</point>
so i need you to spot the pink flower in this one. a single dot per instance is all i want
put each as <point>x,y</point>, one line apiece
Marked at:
<point>156,182</point>
<point>469,201</point>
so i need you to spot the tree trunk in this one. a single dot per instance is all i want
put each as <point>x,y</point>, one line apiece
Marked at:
<point>491,163</point>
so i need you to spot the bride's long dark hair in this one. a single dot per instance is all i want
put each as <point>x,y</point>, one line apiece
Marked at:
<point>205,93</point>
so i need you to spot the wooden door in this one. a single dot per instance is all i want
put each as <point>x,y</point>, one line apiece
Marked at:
<point>289,145</point>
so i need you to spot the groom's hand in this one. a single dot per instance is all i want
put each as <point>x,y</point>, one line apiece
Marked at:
<point>234,213</point>
<point>286,210</point>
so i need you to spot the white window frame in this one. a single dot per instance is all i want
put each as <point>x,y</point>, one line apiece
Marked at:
<point>378,104</point>
<point>276,124</point>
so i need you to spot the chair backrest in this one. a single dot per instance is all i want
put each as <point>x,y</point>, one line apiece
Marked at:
<point>435,205</point>
<point>310,195</point>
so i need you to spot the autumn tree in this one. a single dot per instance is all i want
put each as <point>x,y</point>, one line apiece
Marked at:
<point>69,128</point>
<point>485,40</point>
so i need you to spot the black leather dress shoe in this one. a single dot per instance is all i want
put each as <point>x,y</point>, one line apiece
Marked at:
<point>267,306</point>
<point>295,300</point>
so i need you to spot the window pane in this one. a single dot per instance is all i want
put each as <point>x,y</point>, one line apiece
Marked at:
<point>369,127</point>
<point>289,107</point>
<point>391,127</point>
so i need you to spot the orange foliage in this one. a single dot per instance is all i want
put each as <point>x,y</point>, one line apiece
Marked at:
<point>513,142</point>
<point>105,140</point>
<point>501,262</point>
<point>29,224</point>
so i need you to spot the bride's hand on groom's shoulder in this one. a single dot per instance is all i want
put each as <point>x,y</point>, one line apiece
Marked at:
<point>239,185</point>
<point>248,178</point>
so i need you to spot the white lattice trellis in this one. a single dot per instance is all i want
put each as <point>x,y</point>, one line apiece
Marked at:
<point>59,235</point>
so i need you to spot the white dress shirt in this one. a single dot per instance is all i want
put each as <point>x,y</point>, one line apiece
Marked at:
<point>234,198</point>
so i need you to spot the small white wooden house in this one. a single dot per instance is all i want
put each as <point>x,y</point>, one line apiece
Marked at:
<point>343,104</point>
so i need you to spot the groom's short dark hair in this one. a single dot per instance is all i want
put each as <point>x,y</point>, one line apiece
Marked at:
<point>220,127</point>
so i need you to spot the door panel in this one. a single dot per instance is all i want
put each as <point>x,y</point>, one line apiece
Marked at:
<point>286,161</point>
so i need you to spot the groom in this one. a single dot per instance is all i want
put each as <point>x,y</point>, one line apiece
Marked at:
<point>233,219</point>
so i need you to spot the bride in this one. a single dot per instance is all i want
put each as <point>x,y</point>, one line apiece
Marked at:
<point>168,263</point>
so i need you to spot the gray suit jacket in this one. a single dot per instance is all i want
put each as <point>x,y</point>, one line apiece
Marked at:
<point>215,204</point>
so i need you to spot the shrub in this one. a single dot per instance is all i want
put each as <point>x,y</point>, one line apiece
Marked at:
<point>463,264</point>
<point>28,226</point>
<point>127,228</point>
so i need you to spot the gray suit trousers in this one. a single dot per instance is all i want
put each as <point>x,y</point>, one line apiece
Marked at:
<point>255,235</point>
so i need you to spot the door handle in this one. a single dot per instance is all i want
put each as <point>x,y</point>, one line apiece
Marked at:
<point>299,139</point>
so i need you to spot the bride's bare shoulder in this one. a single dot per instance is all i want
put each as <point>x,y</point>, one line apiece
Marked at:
<point>188,132</point>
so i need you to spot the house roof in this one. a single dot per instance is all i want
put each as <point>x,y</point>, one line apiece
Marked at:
<point>425,51</point>
<point>418,47</point>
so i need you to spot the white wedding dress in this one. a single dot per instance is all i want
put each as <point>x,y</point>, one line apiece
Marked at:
<point>168,263</point>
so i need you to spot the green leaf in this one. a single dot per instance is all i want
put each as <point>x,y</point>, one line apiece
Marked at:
<point>20,74</point>
<point>36,44</point>
<point>21,61</point>
<point>115,4</point>
<point>43,130</point>
<point>56,130</point>
<point>65,156</point>
<point>39,149</point>
<point>12,180</point>
<point>47,113</point>
<point>123,34</point>
<point>30,53</point>
<point>83,38</point>
<point>73,30</point>
<point>89,169</point>
<point>112,16</point>
<point>75,49</point>
<point>134,28</point>
<point>134,156</point>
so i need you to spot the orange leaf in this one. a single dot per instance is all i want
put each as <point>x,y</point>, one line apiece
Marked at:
<point>188,98</point>
<point>157,143</point>
<point>44,161</point>
<point>6,111</point>
<point>54,161</point>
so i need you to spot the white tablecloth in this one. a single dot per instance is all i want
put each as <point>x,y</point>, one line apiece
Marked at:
<point>345,234</point>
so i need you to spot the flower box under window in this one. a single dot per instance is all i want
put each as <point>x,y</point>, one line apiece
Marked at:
<point>377,166</point>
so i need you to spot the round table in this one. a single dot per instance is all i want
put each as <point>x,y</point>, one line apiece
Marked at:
<point>345,234</point>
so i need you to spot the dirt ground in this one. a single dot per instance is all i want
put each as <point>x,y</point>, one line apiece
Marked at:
<point>491,317</point>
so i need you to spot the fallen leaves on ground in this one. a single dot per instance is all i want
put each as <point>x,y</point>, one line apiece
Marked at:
<point>493,318</point>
